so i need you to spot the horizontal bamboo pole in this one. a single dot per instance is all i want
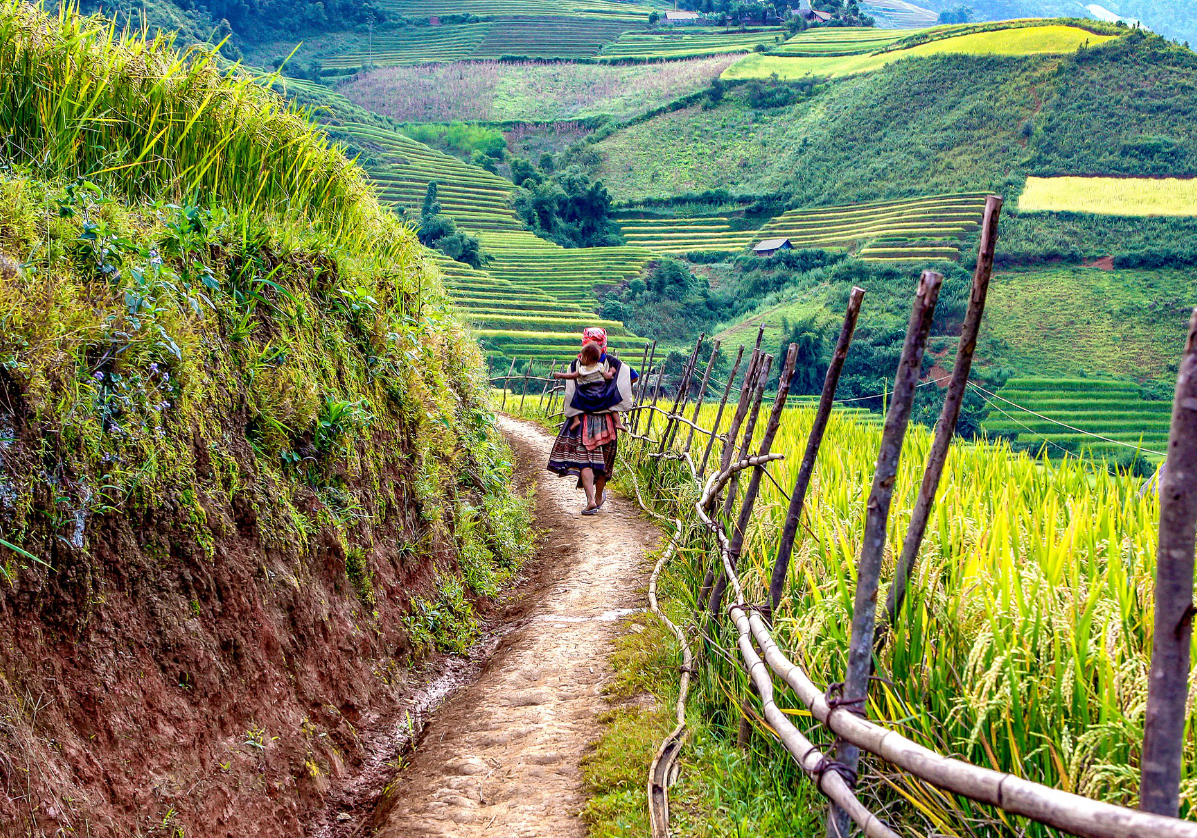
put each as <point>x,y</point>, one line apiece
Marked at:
<point>831,784</point>
<point>1068,812</point>
<point>808,757</point>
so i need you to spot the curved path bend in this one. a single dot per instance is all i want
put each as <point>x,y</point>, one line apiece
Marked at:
<point>503,757</point>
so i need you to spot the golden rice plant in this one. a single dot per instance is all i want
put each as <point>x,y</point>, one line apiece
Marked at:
<point>1129,196</point>
<point>1024,641</point>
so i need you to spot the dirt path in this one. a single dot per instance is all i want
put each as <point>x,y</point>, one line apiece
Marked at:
<point>502,758</point>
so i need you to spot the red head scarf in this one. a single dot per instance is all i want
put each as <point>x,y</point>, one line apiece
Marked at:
<point>595,334</point>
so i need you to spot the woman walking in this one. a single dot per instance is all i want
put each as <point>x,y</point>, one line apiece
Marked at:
<point>587,449</point>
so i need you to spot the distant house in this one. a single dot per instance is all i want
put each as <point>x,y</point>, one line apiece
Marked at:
<point>810,15</point>
<point>674,18</point>
<point>770,246</point>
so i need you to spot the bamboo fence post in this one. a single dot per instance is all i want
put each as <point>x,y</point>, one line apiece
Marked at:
<point>637,387</point>
<point>719,413</point>
<point>545,389</point>
<point>646,383</point>
<point>507,383</point>
<point>1167,687</point>
<point>524,391</point>
<point>680,412</point>
<point>733,430</point>
<point>945,429</point>
<point>729,444</point>
<point>754,483</point>
<point>754,412</point>
<point>781,566</point>
<point>762,378</point>
<point>702,392</point>
<point>868,576</point>
<point>652,412</point>
<point>687,371</point>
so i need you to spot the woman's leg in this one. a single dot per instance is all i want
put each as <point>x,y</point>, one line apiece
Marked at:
<point>600,487</point>
<point>588,486</point>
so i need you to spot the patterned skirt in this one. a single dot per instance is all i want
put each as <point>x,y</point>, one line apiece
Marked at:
<point>570,454</point>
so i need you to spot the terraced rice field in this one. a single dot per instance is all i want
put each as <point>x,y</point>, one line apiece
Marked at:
<point>918,228</point>
<point>1110,195</point>
<point>551,37</point>
<point>898,14</point>
<point>570,274</point>
<point>841,41</point>
<point>415,45</point>
<point>533,37</point>
<point>666,234</point>
<point>403,168</point>
<point>499,8</point>
<point>535,297</point>
<point>689,43</point>
<point>1110,409</point>
<point>1056,39</point>
<point>519,321</point>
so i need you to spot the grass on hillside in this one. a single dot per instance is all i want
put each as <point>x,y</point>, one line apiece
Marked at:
<point>528,91</point>
<point>1028,40</point>
<point>944,123</point>
<point>1110,196</point>
<point>862,139</point>
<point>204,299</point>
<point>1086,321</point>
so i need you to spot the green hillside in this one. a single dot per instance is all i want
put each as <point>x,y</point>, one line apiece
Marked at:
<point>942,124</point>
<point>246,445</point>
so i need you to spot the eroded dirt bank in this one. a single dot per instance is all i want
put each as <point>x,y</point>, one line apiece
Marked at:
<point>503,756</point>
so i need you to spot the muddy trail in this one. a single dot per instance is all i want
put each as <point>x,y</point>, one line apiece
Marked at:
<point>502,756</point>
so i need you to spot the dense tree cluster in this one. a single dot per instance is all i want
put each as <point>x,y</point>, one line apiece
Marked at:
<point>668,303</point>
<point>564,205</point>
<point>440,233</point>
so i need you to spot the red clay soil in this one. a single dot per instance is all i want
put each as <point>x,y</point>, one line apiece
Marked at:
<point>150,688</point>
<point>1105,263</point>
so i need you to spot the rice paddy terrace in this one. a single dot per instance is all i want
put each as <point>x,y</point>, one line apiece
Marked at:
<point>613,9</point>
<point>799,57</point>
<point>518,320</point>
<point>530,301</point>
<point>902,230</point>
<point>690,43</point>
<point>1124,196</point>
<point>523,36</point>
<point>1074,415</point>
